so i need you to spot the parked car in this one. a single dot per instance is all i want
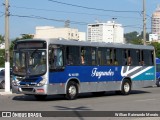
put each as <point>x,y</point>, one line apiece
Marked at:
<point>2,78</point>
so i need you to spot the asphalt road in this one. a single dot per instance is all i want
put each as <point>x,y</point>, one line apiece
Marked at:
<point>145,99</point>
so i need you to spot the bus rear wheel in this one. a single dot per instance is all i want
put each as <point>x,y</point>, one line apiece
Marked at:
<point>126,87</point>
<point>72,90</point>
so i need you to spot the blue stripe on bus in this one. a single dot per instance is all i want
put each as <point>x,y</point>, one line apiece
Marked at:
<point>97,74</point>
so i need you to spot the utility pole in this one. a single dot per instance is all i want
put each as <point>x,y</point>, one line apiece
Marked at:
<point>144,22</point>
<point>7,56</point>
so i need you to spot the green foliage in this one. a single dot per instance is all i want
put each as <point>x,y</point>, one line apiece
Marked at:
<point>135,38</point>
<point>1,39</point>
<point>2,52</point>
<point>2,57</point>
<point>137,42</point>
<point>157,48</point>
<point>131,36</point>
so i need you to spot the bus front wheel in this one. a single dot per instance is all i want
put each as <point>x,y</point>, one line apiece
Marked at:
<point>126,87</point>
<point>72,90</point>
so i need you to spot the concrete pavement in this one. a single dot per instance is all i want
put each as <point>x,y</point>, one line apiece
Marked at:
<point>2,92</point>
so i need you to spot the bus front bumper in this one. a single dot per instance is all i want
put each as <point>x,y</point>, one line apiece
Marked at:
<point>29,90</point>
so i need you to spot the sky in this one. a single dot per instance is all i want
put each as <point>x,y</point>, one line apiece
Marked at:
<point>25,15</point>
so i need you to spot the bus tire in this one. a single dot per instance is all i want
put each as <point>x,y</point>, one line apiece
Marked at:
<point>72,90</point>
<point>40,97</point>
<point>126,87</point>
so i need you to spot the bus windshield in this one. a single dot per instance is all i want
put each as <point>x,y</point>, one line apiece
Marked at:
<point>29,62</point>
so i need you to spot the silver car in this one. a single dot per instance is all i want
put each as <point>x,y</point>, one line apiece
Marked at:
<point>2,79</point>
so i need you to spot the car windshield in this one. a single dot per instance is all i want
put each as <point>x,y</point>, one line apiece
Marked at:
<point>29,62</point>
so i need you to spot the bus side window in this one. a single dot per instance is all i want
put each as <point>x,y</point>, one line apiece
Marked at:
<point>55,57</point>
<point>72,55</point>
<point>94,56</point>
<point>89,54</point>
<point>124,56</point>
<point>134,54</point>
<point>108,56</point>
<point>101,56</point>
<point>148,60</point>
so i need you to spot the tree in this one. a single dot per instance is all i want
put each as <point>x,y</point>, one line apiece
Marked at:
<point>2,57</point>
<point>157,48</point>
<point>2,52</point>
<point>1,39</point>
<point>137,42</point>
<point>135,38</point>
<point>131,36</point>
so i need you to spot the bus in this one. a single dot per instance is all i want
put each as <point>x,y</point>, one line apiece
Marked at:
<point>69,67</point>
<point>158,72</point>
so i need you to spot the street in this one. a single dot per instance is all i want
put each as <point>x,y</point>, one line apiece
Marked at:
<point>145,99</point>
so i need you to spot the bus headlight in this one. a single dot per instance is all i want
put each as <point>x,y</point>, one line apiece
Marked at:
<point>15,81</point>
<point>42,82</point>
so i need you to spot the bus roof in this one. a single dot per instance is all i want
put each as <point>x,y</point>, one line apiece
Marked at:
<point>88,43</point>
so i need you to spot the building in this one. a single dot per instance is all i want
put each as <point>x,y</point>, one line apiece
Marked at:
<point>153,37</point>
<point>105,32</point>
<point>156,22</point>
<point>46,32</point>
<point>2,46</point>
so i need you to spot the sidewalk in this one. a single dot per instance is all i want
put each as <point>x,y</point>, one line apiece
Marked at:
<point>2,92</point>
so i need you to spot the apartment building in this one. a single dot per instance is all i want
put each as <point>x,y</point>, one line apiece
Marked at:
<point>156,22</point>
<point>105,32</point>
<point>52,32</point>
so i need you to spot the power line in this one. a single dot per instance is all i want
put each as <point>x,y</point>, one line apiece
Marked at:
<point>133,26</point>
<point>91,8</point>
<point>51,19</point>
<point>72,22</point>
<point>51,10</point>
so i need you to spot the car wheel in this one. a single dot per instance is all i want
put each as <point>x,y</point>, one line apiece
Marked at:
<point>2,85</point>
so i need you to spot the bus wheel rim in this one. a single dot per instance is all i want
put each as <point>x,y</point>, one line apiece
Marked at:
<point>72,90</point>
<point>126,87</point>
